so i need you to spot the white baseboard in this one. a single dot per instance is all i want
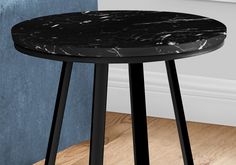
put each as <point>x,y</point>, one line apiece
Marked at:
<point>206,100</point>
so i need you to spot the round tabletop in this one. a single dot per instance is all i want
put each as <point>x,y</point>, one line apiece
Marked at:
<point>118,36</point>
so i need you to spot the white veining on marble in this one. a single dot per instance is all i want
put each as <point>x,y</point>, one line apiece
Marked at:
<point>171,43</point>
<point>201,47</point>
<point>55,25</point>
<point>87,21</point>
<point>120,33</point>
<point>66,53</point>
<point>115,50</point>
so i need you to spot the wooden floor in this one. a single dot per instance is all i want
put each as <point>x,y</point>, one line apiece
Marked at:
<point>211,144</point>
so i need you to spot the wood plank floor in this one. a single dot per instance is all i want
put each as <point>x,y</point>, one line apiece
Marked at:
<point>211,144</point>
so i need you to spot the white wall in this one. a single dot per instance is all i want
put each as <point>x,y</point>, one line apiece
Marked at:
<point>208,82</point>
<point>218,64</point>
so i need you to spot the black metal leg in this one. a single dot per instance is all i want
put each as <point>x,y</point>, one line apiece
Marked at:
<point>58,113</point>
<point>98,114</point>
<point>138,109</point>
<point>179,112</point>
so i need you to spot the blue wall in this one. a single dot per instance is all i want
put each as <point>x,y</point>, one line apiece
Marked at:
<point>28,88</point>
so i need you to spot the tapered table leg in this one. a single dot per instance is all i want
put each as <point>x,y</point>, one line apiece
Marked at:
<point>98,114</point>
<point>58,113</point>
<point>138,109</point>
<point>179,112</point>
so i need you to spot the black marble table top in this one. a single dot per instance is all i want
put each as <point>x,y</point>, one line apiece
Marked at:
<point>118,36</point>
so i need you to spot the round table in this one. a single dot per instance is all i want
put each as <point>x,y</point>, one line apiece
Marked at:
<point>132,37</point>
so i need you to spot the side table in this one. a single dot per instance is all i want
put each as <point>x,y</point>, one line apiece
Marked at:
<point>132,37</point>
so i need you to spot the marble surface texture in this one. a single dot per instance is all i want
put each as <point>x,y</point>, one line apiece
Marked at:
<point>119,34</point>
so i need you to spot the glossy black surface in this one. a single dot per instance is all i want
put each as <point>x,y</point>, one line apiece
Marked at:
<point>118,36</point>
